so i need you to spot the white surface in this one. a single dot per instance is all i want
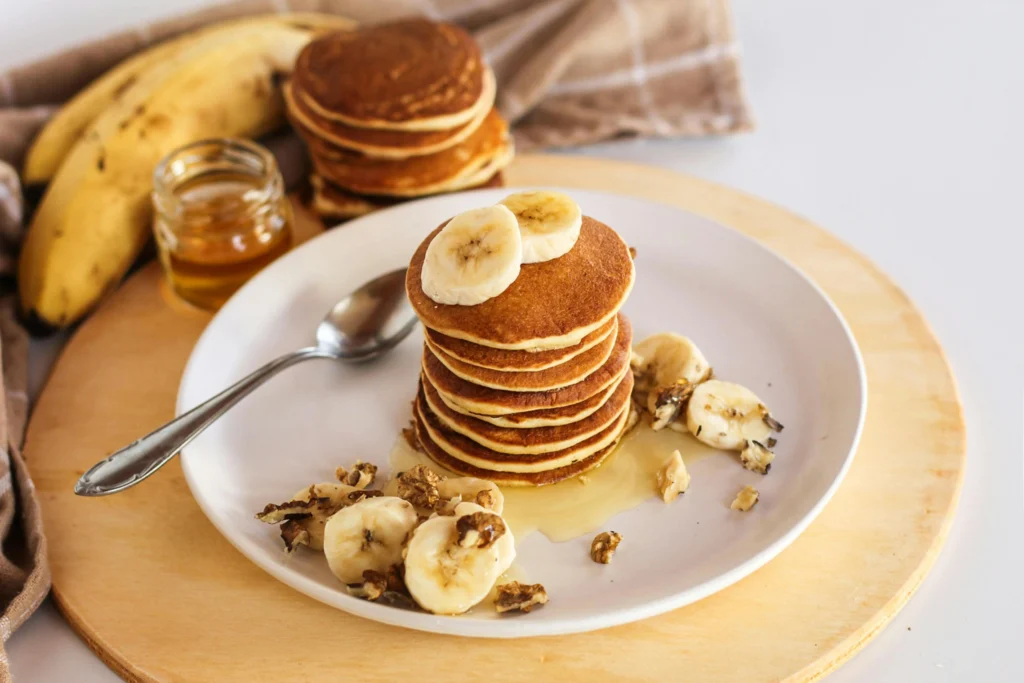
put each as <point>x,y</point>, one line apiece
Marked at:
<point>729,289</point>
<point>896,125</point>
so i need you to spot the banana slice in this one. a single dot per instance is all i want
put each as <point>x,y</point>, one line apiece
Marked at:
<point>550,223</point>
<point>475,257</point>
<point>303,517</point>
<point>667,358</point>
<point>452,562</point>
<point>726,415</point>
<point>473,490</point>
<point>367,536</point>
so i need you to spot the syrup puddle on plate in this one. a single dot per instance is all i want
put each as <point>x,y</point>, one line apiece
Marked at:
<point>572,508</point>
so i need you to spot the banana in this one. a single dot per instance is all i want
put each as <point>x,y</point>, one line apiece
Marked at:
<point>69,124</point>
<point>95,216</point>
<point>452,562</point>
<point>726,415</point>
<point>473,490</point>
<point>666,358</point>
<point>367,536</point>
<point>475,257</point>
<point>550,223</point>
<point>303,518</point>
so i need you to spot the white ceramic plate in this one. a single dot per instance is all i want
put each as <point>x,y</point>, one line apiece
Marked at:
<point>759,320</point>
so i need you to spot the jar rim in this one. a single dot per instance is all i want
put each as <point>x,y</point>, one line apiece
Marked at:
<point>188,162</point>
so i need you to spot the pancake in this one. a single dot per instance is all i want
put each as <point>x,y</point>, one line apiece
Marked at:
<point>551,305</point>
<point>437,454</point>
<point>539,440</point>
<point>519,361</point>
<point>413,74</point>
<point>330,201</point>
<point>471,453</point>
<point>418,175</point>
<point>340,141</point>
<point>569,372</point>
<point>533,419</point>
<point>487,401</point>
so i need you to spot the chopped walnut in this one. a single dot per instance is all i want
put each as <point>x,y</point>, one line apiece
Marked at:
<point>667,403</point>
<point>357,496</point>
<point>361,475</point>
<point>396,579</point>
<point>485,498</point>
<point>373,586</point>
<point>756,457</point>
<point>292,509</point>
<point>604,546</point>
<point>409,434</point>
<point>479,529</point>
<point>673,479</point>
<point>419,486</point>
<point>632,253</point>
<point>520,597</point>
<point>294,534</point>
<point>745,499</point>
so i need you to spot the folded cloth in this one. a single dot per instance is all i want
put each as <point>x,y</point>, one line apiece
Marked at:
<point>569,72</point>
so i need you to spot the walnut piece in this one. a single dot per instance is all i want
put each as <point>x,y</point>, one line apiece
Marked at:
<point>673,479</point>
<point>485,499</point>
<point>373,586</point>
<point>520,597</point>
<point>667,403</point>
<point>604,546</point>
<point>479,529</point>
<point>745,499</point>
<point>361,475</point>
<point>756,457</point>
<point>419,486</point>
<point>302,519</point>
<point>294,534</point>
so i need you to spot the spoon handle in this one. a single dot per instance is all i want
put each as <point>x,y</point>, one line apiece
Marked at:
<point>133,463</point>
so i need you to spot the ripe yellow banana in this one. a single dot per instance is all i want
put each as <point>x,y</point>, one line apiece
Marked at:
<point>70,123</point>
<point>95,216</point>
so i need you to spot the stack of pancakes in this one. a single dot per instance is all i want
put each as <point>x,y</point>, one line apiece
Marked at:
<point>393,112</point>
<point>532,386</point>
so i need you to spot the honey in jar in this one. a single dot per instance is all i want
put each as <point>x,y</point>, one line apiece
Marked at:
<point>220,216</point>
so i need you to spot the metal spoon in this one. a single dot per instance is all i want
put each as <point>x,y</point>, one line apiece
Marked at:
<point>367,323</point>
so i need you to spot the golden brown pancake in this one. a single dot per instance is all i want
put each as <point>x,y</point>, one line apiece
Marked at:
<point>471,453</point>
<point>330,201</point>
<point>553,304</point>
<point>438,455</point>
<point>539,440</point>
<point>340,141</point>
<point>416,175</point>
<point>521,361</point>
<point>569,372</point>
<point>532,419</point>
<point>412,74</point>
<point>486,401</point>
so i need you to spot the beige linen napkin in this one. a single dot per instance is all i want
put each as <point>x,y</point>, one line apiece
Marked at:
<point>569,72</point>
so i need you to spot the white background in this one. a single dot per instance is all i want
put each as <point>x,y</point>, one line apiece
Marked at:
<point>899,126</point>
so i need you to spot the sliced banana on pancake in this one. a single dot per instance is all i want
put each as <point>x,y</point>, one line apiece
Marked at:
<point>367,536</point>
<point>452,562</point>
<point>726,415</point>
<point>550,223</point>
<point>474,258</point>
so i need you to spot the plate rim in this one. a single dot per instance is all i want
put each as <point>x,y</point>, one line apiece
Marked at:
<point>517,628</point>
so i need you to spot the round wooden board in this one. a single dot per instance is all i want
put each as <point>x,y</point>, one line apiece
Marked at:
<point>160,596</point>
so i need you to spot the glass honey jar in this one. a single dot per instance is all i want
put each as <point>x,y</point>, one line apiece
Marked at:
<point>220,214</point>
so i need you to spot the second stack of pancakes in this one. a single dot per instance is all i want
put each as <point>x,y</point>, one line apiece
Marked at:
<point>533,386</point>
<point>394,112</point>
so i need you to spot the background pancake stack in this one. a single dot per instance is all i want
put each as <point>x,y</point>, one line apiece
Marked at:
<point>394,112</point>
<point>532,386</point>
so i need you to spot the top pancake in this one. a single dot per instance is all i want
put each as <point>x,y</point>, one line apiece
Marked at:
<point>339,140</point>
<point>551,305</point>
<point>411,75</point>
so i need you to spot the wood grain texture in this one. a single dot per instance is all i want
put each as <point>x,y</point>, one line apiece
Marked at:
<point>156,591</point>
